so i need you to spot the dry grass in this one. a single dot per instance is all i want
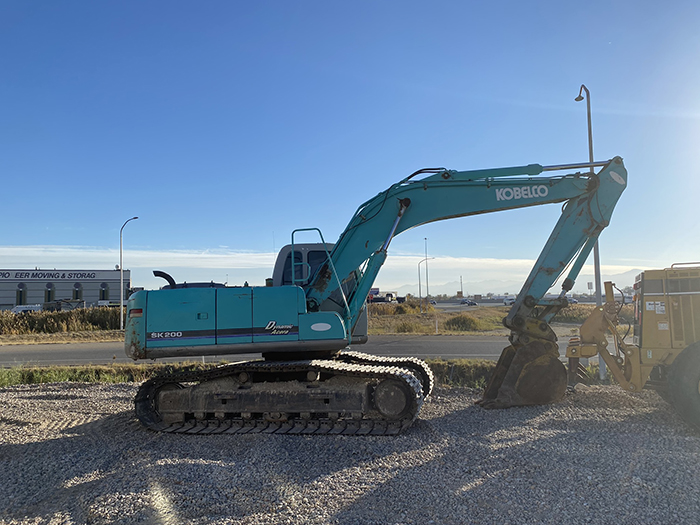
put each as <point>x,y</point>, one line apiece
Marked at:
<point>406,318</point>
<point>101,324</point>
<point>94,336</point>
<point>116,373</point>
<point>461,372</point>
<point>472,373</point>
<point>578,313</point>
<point>78,320</point>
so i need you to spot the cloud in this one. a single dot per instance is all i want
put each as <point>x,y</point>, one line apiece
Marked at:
<point>96,257</point>
<point>235,267</point>
<point>403,269</point>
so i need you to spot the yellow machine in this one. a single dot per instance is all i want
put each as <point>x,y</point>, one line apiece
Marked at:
<point>665,354</point>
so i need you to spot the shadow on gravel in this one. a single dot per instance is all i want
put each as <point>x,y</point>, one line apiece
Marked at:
<point>586,460</point>
<point>583,461</point>
<point>63,475</point>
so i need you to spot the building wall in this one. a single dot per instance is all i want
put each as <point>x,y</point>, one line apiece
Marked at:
<point>38,286</point>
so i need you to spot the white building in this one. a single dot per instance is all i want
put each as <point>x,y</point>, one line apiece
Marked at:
<point>19,287</point>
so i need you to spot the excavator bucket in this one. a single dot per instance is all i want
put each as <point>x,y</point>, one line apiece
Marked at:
<point>526,375</point>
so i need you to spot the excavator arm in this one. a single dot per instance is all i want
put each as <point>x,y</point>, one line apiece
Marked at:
<point>529,371</point>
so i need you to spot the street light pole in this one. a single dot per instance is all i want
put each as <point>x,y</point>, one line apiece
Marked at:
<point>121,275</point>
<point>420,299</point>
<point>596,251</point>
<point>427,289</point>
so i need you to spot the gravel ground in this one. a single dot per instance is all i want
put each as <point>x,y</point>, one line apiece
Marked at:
<point>75,454</point>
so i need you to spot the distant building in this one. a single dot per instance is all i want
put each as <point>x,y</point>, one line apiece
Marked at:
<point>20,287</point>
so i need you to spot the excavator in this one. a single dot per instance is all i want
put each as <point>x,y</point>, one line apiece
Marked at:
<point>304,321</point>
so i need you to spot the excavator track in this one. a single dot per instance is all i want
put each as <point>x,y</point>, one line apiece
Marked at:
<point>418,367</point>
<point>352,394</point>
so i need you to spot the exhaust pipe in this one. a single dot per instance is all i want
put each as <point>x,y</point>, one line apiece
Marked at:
<point>165,276</point>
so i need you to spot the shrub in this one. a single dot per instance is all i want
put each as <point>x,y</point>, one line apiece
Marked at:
<point>406,327</point>
<point>463,323</point>
<point>393,308</point>
<point>473,373</point>
<point>401,309</point>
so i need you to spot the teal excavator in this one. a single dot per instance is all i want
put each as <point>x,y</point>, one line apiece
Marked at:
<point>313,310</point>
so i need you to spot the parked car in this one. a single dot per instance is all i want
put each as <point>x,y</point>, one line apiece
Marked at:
<point>433,302</point>
<point>572,300</point>
<point>468,302</point>
<point>509,301</point>
<point>20,309</point>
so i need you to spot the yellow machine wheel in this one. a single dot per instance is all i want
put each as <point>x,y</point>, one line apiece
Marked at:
<point>684,385</point>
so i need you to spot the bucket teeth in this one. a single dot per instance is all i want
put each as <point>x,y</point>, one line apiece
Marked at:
<point>530,374</point>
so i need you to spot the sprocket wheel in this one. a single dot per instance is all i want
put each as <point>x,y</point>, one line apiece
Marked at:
<point>392,398</point>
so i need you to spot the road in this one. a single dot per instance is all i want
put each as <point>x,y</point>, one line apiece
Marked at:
<point>455,306</point>
<point>422,346</point>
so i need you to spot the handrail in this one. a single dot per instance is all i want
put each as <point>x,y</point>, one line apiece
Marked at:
<point>332,266</point>
<point>594,164</point>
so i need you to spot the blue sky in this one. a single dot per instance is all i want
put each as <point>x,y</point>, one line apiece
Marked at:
<point>225,125</point>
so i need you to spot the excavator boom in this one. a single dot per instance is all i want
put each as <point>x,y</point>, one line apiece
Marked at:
<point>446,194</point>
